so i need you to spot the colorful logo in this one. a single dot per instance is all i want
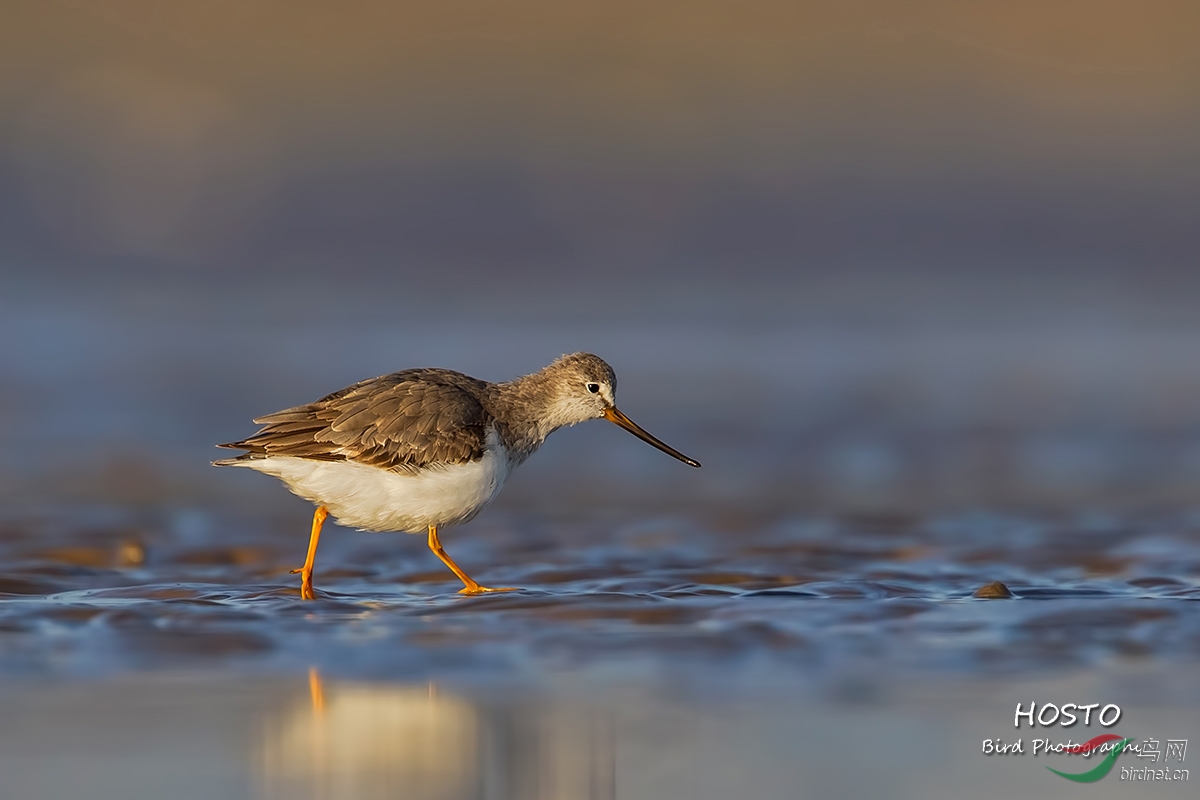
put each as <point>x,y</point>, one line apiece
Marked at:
<point>1104,767</point>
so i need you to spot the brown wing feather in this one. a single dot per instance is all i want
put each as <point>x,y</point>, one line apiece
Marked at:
<point>403,421</point>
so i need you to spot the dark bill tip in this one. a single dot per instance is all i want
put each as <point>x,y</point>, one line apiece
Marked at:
<point>615,416</point>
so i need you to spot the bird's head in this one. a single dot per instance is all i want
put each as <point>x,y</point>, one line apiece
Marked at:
<point>582,387</point>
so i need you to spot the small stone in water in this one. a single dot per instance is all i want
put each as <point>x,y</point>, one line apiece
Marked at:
<point>993,591</point>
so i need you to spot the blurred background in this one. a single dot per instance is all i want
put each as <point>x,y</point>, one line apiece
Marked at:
<point>916,281</point>
<point>875,257</point>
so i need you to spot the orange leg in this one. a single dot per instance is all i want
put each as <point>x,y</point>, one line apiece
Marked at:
<point>469,584</point>
<point>306,587</point>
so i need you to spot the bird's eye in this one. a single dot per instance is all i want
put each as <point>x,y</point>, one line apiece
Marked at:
<point>594,388</point>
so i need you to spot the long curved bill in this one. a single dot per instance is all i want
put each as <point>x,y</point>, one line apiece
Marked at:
<point>613,415</point>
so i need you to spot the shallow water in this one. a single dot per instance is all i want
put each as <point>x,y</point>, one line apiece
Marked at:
<point>315,737</point>
<point>677,656</point>
<point>820,595</point>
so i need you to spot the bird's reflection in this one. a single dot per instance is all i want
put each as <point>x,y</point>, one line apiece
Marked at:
<point>348,740</point>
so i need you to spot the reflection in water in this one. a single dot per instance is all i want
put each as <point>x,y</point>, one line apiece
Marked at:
<point>874,733</point>
<point>348,740</point>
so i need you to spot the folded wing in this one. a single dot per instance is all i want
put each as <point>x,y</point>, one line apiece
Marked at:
<point>404,422</point>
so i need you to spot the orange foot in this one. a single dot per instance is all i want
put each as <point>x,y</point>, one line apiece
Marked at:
<point>306,587</point>
<point>477,589</point>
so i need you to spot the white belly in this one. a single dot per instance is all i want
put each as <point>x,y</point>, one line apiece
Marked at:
<point>374,499</point>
